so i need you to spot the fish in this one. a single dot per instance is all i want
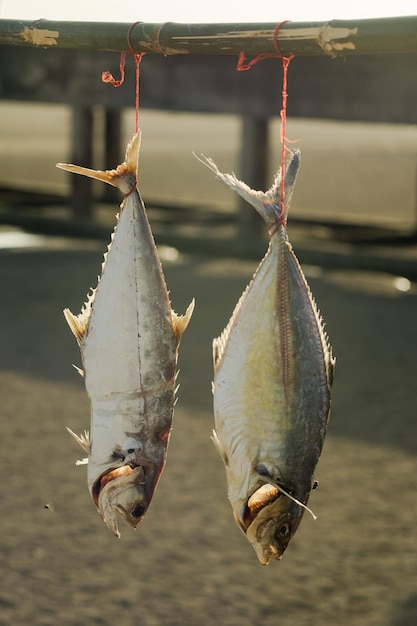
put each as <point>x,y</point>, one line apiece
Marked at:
<point>128,337</point>
<point>273,374</point>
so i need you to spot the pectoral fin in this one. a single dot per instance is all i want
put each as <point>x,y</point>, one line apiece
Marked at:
<point>219,447</point>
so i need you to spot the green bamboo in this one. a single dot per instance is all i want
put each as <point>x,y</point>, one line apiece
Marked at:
<point>333,38</point>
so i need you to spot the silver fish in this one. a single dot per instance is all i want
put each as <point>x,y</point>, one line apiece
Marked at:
<point>128,337</point>
<point>273,371</point>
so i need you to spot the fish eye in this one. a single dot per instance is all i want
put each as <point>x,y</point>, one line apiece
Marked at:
<point>262,471</point>
<point>118,456</point>
<point>138,510</point>
<point>284,530</point>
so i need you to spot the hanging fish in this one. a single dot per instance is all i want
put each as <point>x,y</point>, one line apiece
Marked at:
<point>128,337</point>
<point>273,370</point>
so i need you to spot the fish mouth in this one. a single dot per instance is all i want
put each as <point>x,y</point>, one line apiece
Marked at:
<point>262,497</point>
<point>121,490</point>
<point>268,522</point>
<point>265,495</point>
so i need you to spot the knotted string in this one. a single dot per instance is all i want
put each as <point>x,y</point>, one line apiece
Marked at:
<point>107,77</point>
<point>242,67</point>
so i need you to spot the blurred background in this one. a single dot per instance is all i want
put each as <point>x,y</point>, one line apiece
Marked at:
<point>353,225</point>
<point>351,172</point>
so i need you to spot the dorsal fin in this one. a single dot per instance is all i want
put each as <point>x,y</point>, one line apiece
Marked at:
<point>79,323</point>
<point>180,322</point>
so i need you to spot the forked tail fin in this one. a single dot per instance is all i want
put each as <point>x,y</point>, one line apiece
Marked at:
<point>123,177</point>
<point>267,203</point>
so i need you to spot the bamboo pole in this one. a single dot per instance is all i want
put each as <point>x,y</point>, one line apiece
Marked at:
<point>333,38</point>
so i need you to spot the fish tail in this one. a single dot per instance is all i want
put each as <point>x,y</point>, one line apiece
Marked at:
<point>274,193</point>
<point>124,176</point>
<point>266,203</point>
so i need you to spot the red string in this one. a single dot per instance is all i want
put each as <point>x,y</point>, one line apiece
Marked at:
<point>283,115</point>
<point>107,77</point>
<point>241,67</point>
<point>131,190</point>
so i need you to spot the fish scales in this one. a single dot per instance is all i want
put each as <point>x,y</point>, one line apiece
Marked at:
<point>273,370</point>
<point>132,289</point>
<point>132,293</point>
<point>128,337</point>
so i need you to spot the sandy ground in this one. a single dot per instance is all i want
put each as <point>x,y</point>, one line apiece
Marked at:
<point>187,564</point>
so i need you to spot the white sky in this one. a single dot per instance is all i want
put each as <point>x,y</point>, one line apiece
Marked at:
<point>203,10</point>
